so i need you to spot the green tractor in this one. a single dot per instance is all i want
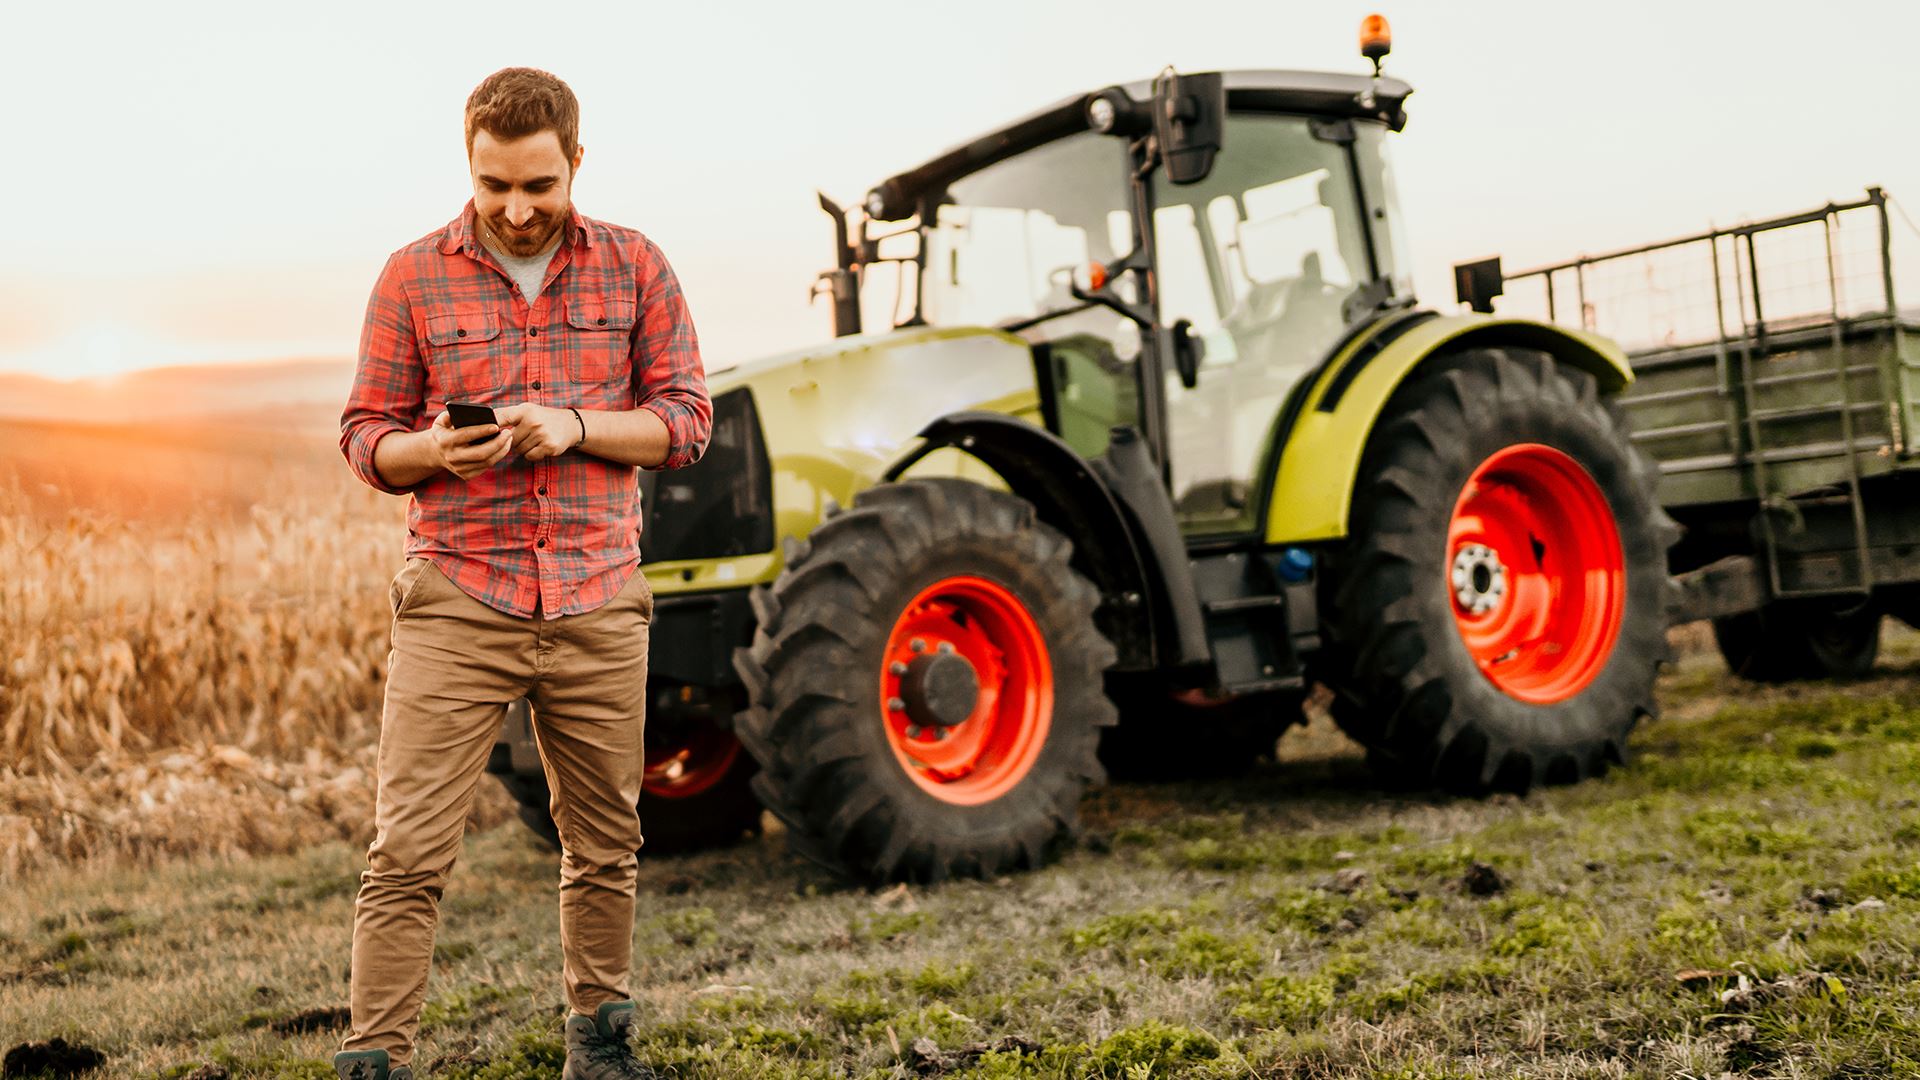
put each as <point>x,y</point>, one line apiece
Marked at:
<point>1131,432</point>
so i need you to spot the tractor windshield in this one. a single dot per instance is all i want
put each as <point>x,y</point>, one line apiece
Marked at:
<point>1263,258</point>
<point>1004,239</point>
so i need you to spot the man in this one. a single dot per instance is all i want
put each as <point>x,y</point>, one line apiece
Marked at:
<point>521,577</point>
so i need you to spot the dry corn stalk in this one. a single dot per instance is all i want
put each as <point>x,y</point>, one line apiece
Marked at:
<point>205,683</point>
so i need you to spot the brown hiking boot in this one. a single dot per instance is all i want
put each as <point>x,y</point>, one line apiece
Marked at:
<point>597,1045</point>
<point>369,1065</point>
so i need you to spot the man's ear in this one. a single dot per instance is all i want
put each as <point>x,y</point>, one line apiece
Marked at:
<point>579,152</point>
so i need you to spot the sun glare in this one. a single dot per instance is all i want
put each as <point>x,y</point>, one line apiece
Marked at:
<point>103,349</point>
<point>91,350</point>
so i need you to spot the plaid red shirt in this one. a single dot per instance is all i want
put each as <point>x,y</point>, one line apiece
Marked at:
<point>610,331</point>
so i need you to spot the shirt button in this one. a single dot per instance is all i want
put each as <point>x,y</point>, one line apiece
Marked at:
<point>459,333</point>
<point>536,384</point>
<point>540,542</point>
<point>533,331</point>
<point>603,322</point>
<point>542,490</point>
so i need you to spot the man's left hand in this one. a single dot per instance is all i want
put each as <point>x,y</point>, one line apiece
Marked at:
<point>539,431</point>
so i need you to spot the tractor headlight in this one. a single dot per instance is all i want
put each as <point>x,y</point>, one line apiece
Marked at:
<point>1112,112</point>
<point>1100,114</point>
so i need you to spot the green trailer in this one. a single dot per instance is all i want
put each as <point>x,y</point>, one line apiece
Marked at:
<point>1777,385</point>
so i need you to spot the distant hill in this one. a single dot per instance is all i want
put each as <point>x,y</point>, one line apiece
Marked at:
<point>276,394</point>
<point>168,468</point>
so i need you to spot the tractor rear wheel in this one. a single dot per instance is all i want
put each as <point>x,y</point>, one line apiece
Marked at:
<point>926,686</point>
<point>696,793</point>
<point>1781,643</point>
<point>1499,613</point>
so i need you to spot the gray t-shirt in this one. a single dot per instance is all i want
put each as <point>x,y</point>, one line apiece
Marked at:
<point>530,271</point>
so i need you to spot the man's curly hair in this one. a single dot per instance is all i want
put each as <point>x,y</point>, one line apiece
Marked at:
<point>515,102</point>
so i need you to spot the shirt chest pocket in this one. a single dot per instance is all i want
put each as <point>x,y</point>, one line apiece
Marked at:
<point>600,342</point>
<point>464,357</point>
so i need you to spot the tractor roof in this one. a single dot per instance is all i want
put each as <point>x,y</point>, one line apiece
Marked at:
<point>1317,93</point>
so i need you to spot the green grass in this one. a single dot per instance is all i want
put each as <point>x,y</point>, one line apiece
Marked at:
<point>1298,922</point>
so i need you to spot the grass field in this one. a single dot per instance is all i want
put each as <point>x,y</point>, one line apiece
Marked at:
<point>1743,899</point>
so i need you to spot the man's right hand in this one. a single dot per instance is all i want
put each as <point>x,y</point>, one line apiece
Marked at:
<point>469,451</point>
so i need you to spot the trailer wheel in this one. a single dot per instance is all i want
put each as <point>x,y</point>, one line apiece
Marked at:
<point>1163,735</point>
<point>1784,643</point>
<point>1499,613</point>
<point>925,686</point>
<point>697,792</point>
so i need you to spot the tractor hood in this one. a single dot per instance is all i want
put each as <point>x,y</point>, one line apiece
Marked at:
<point>836,415</point>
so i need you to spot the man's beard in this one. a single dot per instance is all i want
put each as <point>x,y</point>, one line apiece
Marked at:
<point>524,244</point>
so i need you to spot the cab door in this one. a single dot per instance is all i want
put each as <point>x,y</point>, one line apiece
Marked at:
<point>1261,258</point>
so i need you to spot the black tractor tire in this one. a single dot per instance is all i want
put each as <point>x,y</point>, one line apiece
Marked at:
<point>1165,737</point>
<point>1787,643</point>
<point>714,817</point>
<point>825,740</point>
<point>1407,688</point>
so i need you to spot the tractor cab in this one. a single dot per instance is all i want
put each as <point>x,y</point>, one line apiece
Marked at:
<point>1180,253</point>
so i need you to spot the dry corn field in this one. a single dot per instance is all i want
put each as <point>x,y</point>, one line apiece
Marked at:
<point>193,640</point>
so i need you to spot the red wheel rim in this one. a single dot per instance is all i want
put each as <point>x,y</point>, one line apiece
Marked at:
<point>692,766</point>
<point>984,755</point>
<point>1536,574</point>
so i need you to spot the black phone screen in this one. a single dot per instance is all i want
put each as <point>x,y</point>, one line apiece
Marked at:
<point>465,415</point>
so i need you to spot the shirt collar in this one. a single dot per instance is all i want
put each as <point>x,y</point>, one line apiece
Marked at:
<point>463,232</point>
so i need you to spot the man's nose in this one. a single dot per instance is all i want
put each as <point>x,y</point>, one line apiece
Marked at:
<point>518,211</point>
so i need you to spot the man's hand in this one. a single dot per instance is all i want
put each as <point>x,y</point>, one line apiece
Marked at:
<point>538,431</point>
<point>469,451</point>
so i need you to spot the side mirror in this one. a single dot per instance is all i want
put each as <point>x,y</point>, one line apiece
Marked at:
<point>1188,351</point>
<point>1189,118</point>
<point>1477,283</point>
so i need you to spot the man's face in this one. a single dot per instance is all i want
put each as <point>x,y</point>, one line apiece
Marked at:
<point>522,189</point>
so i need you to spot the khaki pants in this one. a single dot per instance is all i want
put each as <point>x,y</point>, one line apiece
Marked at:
<point>455,665</point>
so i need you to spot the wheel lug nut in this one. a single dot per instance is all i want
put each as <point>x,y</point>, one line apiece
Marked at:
<point>897,668</point>
<point>918,645</point>
<point>913,731</point>
<point>946,647</point>
<point>894,704</point>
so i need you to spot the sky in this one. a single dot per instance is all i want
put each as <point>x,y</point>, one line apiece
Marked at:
<point>195,182</point>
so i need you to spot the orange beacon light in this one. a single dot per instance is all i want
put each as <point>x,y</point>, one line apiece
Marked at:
<point>1376,39</point>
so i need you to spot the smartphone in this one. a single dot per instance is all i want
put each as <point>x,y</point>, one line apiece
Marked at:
<point>465,415</point>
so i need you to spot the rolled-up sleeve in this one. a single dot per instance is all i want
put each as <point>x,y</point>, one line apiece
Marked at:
<point>388,383</point>
<point>672,383</point>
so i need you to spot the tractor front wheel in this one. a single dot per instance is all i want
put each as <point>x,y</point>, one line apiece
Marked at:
<point>926,687</point>
<point>1499,614</point>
